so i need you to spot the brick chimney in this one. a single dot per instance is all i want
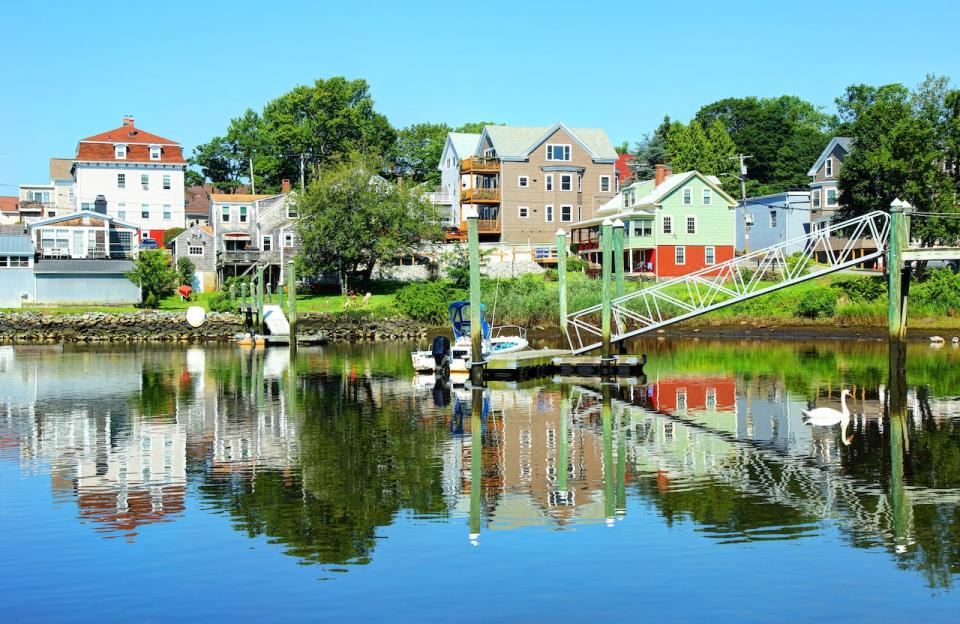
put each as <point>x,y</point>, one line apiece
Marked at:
<point>128,121</point>
<point>285,186</point>
<point>662,173</point>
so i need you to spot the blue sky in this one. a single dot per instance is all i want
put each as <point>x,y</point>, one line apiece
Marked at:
<point>183,69</point>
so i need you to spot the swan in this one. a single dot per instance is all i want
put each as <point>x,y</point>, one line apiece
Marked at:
<point>827,417</point>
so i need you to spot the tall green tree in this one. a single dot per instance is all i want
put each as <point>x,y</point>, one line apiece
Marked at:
<point>650,151</point>
<point>156,278</point>
<point>351,219</point>
<point>313,124</point>
<point>710,151</point>
<point>900,151</point>
<point>418,151</point>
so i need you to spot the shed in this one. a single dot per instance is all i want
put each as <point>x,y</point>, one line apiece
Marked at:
<point>16,270</point>
<point>85,281</point>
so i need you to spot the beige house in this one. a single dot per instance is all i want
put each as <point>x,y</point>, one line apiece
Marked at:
<point>526,182</point>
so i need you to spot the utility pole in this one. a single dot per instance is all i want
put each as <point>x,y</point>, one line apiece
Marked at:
<point>253,183</point>
<point>301,172</point>
<point>743,197</point>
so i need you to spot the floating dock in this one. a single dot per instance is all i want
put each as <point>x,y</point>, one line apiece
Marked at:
<point>522,365</point>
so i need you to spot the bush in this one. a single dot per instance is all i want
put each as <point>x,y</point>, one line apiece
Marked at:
<point>156,278</point>
<point>169,235</point>
<point>428,301</point>
<point>817,303</point>
<point>219,302</point>
<point>186,272</point>
<point>862,288</point>
<point>939,291</point>
<point>575,264</point>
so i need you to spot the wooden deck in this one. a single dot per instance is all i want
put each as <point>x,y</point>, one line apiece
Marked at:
<point>545,362</point>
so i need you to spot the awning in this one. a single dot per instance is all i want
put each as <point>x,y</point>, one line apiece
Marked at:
<point>237,235</point>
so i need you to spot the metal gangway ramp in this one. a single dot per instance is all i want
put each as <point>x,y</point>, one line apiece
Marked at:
<point>751,275</point>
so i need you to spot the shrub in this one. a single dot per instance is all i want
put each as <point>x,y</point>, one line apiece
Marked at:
<point>862,288</point>
<point>817,303</point>
<point>428,301</point>
<point>169,235</point>
<point>939,291</point>
<point>220,302</point>
<point>156,278</point>
<point>186,272</point>
<point>575,264</point>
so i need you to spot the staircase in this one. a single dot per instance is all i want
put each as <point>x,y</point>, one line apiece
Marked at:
<point>744,277</point>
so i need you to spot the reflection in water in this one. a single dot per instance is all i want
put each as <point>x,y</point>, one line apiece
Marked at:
<point>320,454</point>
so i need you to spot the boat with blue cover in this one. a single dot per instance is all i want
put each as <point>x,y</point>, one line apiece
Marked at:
<point>456,357</point>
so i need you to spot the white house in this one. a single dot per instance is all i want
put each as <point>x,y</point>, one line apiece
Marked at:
<point>459,145</point>
<point>140,175</point>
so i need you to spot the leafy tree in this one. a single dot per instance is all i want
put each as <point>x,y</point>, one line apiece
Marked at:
<point>900,141</point>
<point>783,135</point>
<point>186,271</point>
<point>319,123</point>
<point>418,152</point>
<point>651,151</point>
<point>475,127</point>
<point>170,234</point>
<point>351,219</point>
<point>710,151</point>
<point>156,278</point>
<point>623,148</point>
<point>192,178</point>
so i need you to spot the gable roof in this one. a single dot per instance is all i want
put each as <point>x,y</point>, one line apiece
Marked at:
<point>236,197</point>
<point>60,168</point>
<point>846,143</point>
<point>100,147</point>
<point>463,144</point>
<point>517,142</point>
<point>673,182</point>
<point>204,230</point>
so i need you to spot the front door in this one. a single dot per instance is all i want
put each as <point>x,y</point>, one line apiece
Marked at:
<point>79,244</point>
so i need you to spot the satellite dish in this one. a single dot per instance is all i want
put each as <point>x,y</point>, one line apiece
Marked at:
<point>196,316</point>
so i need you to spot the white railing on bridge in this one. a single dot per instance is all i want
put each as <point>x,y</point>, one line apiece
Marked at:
<point>744,277</point>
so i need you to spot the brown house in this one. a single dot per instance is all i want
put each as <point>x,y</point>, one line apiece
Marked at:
<point>526,182</point>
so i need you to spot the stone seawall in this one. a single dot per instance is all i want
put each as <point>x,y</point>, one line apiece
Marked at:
<point>155,326</point>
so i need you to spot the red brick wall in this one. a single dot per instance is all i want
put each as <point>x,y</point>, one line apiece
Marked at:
<point>666,254</point>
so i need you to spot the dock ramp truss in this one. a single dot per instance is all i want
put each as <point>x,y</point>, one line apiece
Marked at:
<point>744,277</point>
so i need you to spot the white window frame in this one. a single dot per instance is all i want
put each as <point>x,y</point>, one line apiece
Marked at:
<point>523,181</point>
<point>816,198</point>
<point>569,178</point>
<point>144,211</point>
<point>288,240</point>
<point>523,212</point>
<point>167,214</point>
<point>579,182</point>
<point>707,197</point>
<point>570,216</point>
<point>243,214</point>
<point>686,196</point>
<point>828,167</point>
<point>122,211</point>
<point>550,152</point>
<point>548,213</point>
<point>709,255</point>
<point>155,152</point>
<point>686,225</point>
<point>167,184</point>
<point>609,184</point>
<point>121,180</point>
<point>548,182</point>
<point>194,251</point>
<point>266,242</point>
<point>225,215</point>
<point>120,151</point>
<point>144,182</point>
<point>666,224</point>
<point>678,251</point>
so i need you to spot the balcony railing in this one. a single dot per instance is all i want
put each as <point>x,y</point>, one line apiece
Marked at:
<point>488,226</point>
<point>480,196</point>
<point>244,256</point>
<point>439,198</point>
<point>90,252</point>
<point>29,205</point>
<point>479,164</point>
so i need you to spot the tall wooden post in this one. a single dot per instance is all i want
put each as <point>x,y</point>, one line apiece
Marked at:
<point>618,256</point>
<point>896,290</point>
<point>476,327</point>
<point>562,285</point>
<point>244,310</point>
<point>609,470</point>
<point>292,304</point>
<point>899,441</point>
<point>621,464</point>
<point>476,462</point>
<point>260,301</point>
<point>606,248</point>
<point>563,456</point>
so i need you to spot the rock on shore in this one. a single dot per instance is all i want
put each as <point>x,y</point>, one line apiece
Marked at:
<point>157,326</point>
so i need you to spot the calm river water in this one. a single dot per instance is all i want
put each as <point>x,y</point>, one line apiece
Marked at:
<point>147,484</point>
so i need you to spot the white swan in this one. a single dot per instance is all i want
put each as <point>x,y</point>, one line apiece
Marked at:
<point>828,417</point>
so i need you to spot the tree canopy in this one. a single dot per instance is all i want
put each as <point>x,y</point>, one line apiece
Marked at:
<point>710,151</point>
<point>351,219</point>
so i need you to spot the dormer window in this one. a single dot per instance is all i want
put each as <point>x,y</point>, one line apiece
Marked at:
<point>154,152</point>
<point>120,152</point>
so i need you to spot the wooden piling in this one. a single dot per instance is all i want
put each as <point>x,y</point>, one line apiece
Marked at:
<point>476,460</point>
<point>609,488</point>
<point>618,257</point>
<point>562,284</point>
<point>563,457</point>
<point>898,240</point>
<point>606,245</point>
<point>233,296</point>
<point>476,326</point>
<point>292,304</point>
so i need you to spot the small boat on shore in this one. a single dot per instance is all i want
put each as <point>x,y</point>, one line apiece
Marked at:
<point>499,339</point>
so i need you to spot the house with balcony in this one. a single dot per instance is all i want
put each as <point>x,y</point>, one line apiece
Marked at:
<point>251,230</point>
<point>674,224</point>
<point>459,145</point>
<point>824,193</point>
<point>525,182</point>
<point>37,202</point>
<point>84,235</point>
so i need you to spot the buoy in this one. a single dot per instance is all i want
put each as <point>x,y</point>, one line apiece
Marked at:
<point>936,339</point>
<point>196,316</point>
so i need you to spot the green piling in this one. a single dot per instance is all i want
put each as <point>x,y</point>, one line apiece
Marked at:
<point>899,239</point>
<point>899,442</point>
<point>563,458</point>
<point>618,256</point>
<point>476,329</point>
<point>562,283</point>
<point>606,246</point>
<point>621,464</point>
<point>606,416</point>
<point>233,296</point>
<point>292,303</point>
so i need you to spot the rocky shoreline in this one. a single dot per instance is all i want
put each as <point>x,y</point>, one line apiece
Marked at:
<point>157,326</point>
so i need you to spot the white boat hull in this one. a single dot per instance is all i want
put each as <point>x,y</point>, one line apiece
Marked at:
<point>423,361</point>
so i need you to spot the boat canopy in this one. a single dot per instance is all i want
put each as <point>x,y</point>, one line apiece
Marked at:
<point>460,320</point>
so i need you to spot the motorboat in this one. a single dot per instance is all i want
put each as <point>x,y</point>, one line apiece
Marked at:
<point>456,357</point>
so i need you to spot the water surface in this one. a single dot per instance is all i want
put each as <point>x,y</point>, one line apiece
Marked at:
<point>158,483</point>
